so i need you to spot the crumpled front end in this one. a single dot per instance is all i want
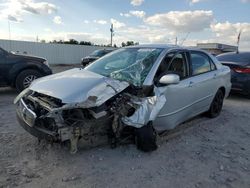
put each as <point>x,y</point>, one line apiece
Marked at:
<point>109,111</point>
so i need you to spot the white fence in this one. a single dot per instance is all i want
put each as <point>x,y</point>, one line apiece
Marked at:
<point>54,53</point>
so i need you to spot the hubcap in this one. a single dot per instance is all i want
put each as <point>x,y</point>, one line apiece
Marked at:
<point>28,79</point>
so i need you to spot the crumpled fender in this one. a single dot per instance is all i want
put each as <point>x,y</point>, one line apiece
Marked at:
<point>149,108</point>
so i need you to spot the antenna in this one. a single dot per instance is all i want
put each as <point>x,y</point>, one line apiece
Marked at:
<point>185,38</point>
<point>111,34</point>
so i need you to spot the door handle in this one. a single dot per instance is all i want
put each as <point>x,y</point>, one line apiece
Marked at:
<point>215,75</point>
<point>191,84</point>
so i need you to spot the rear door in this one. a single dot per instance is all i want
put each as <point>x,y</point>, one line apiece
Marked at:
<point>203,80</point>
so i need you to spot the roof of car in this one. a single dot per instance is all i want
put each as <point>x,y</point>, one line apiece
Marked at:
<point>233,53</point>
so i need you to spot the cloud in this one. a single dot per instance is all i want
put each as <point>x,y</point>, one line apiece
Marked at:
<point>14,18</point>
<point>57,20</point>
<point>245,1</point>
<point>182,21</point>
<point>144,34</point>
<point>47,29</point>
<point>195,1</point>
<point>125,14</point>
<point>86,21</point>
<point>117,24</point>
<point>102,22</point>
<point>136,2</point>
<point>136,13</point>
<point>15,9</point>
<point>38,8</point>
<point>227,32</point>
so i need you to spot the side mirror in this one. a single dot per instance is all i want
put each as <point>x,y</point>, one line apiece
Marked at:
<point>169,79</point>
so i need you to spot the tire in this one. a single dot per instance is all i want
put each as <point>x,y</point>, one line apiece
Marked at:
<point>145,138</point>
<point>24,78</point>
<point>216,105</point>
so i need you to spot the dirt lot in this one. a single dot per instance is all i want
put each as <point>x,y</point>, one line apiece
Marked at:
<point>207,153</point>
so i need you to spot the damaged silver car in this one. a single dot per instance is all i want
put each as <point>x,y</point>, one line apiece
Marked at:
<point>132,93</point>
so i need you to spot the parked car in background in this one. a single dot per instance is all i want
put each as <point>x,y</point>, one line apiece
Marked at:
<point>135,92</point>
<point>94,56</point>
<point>239,64</point>
<point>20,70</point>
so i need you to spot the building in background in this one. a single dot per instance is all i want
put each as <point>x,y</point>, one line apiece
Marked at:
<point>216,48</point>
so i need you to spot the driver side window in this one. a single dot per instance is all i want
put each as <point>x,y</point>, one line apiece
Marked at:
<point>173,63</point>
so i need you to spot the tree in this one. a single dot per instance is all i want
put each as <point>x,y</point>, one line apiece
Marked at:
<point>129,43</point>
<point>71,41</point>
<point>85,43</point>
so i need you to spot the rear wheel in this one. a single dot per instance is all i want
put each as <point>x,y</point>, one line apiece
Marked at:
<point>145,138</point>
<point>25,78</point>
<point>216,105</point>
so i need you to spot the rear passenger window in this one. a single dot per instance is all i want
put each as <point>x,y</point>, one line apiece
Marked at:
<point>201,63</point>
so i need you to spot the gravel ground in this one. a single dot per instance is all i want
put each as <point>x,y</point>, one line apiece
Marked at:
<point>204,153</point>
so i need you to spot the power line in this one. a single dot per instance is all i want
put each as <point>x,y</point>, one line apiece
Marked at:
<point>185,38</point>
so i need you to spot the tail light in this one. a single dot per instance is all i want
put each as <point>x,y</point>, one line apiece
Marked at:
<point>242,70</point>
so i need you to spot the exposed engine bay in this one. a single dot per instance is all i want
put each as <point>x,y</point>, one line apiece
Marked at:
<point>116,119</point>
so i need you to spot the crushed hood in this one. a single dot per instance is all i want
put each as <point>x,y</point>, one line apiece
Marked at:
<point>79,86</point>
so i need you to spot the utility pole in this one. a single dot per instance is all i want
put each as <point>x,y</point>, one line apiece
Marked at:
<point>238,41</point>
<point>176,40</point>
<point>9,34</point>
<point>111,34</point>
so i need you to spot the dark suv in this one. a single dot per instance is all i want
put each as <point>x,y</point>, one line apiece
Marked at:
<point>20,70</point>
<point>239,64</point>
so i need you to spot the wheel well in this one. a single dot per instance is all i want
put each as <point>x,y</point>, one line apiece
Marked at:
<point>21,70</point>
<point>223,90</point>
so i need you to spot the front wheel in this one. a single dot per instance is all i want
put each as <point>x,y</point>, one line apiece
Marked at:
<point>216,106</point>
<point>25,78</point>
<point>145,138</point>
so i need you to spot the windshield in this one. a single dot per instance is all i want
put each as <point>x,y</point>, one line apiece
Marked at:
<point>127,64</point>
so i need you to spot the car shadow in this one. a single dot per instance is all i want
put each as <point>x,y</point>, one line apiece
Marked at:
<point>7,94</point>
<point>237,96</point>
<point>8,91</point>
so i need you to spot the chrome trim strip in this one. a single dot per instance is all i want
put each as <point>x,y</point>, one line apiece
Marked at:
<point>21,112</point>
<point>169,114</point>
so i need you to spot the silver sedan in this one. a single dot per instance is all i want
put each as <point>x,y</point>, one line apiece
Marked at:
<point>133,92</point>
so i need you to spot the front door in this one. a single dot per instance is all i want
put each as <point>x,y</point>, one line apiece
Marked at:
<point>179,97</point>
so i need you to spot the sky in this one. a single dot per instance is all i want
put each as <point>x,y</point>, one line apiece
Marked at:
<point>143,21</point>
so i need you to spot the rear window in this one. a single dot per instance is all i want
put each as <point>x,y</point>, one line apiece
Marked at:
<point>239,58</point>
